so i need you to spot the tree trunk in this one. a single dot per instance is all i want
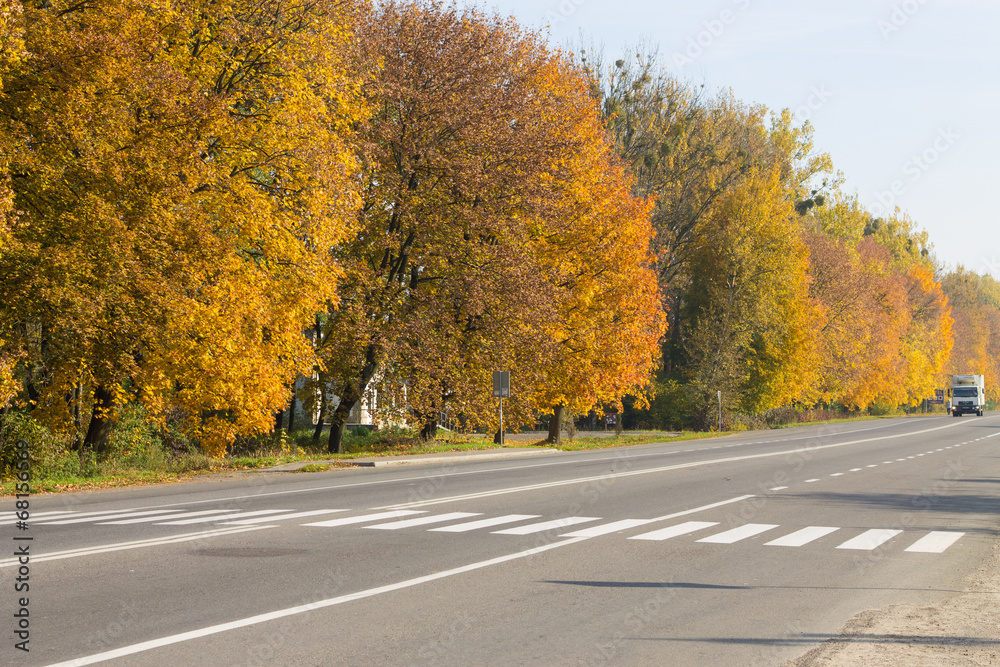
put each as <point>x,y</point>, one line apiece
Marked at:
<point>318,433</point>
<point>429,430</point>
<point>496,437</point>
<point>555,426</point>
<point>77,425</point>
<point>101,421</point>
<point>291,414</point>
<point>279,421</point>
<point>338,424</point>
<point>350,395</point>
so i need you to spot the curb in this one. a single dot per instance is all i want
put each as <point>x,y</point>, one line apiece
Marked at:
<point>416,459</point>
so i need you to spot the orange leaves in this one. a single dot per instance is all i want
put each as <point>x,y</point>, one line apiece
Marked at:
<point>189,170</point>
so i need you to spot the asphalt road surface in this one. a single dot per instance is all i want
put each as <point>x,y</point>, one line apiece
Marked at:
<point>743,550</point>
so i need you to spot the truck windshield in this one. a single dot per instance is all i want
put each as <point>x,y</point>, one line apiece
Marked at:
<point>966,392</point>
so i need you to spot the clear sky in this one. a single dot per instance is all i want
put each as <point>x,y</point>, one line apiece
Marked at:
<point>903,94</point>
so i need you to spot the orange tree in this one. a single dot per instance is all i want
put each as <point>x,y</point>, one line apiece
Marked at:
<point>184,177</point>
<point>478,156</point>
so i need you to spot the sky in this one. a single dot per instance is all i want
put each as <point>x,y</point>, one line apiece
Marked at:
<point>904,95</point>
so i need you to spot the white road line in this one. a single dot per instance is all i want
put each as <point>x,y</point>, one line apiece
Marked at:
<point>838,474</point>
<point>675,531</point>
<point>123,546</point>
<point>886,463</point>
<point>283,517</point>
<point>901,460</point>
<point>778,488</point>
<point>874,465</point>
<point>608,528</point>
<point>227,517</point>
<point>811,481</point>
<point>291,611</point>
<point>423,520</point>
<point>935,542</point>
<point>675,515</point>
<point>737,534</point>
<point>38,515</point>
<point>150,519</point>
<point>869,540</point>
<point>649,471</point>
<point>130,515</point>
<point>556,524</point>
<point>363,519</point>
<point>484,523</point>
<point>802,537</point>
<point>856,469</point>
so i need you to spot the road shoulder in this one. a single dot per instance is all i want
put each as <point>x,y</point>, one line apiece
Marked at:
<point>962,630</point>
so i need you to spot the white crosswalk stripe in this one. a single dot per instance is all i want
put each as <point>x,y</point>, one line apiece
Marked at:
<point>935,542</point>
<point>283,517</point>
<point>484,523</point>
<point>870,539</point>
<point>608,528</point>
<point>209,519</point>
<point>347,521</point>
<point>547,525</point>
<point>423,521</point>
<point>95,516</point>
<point>126,515</point>
<point>802,537</point>
<point>737,534</point>
<point>676,531</point>
<point>151,519</point>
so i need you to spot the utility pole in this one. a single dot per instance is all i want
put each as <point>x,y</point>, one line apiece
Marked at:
<point>501,390</point>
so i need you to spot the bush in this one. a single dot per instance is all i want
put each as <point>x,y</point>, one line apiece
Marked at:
<point>782,416</point>
<point>50,454</point>
<point>135,443</point>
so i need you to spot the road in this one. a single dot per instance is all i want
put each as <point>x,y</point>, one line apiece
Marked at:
<point>748,549</point>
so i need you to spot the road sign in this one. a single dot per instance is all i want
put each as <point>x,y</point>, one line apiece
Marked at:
<point>938,398</point>
<point>501,384</point>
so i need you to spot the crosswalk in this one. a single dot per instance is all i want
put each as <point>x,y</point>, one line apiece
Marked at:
<point>697,532</point>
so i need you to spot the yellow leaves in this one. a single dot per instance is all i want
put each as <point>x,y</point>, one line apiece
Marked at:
<point>190,170</point>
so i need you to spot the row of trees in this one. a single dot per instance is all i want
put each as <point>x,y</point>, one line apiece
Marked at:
<point>427,190</point>
<point>203,201</point>
<point>781,289</point>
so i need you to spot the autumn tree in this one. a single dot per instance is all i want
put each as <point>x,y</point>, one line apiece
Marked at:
<point>477,154</point>
<point>185,179</point>
<point>11,54</point>
<point>975,304</point>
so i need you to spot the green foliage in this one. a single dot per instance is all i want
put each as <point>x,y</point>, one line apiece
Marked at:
<point>136,443</point>
<point>50,454</point>
<point>672,408</point>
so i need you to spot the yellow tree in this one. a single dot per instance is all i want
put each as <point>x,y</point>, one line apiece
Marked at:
<point>11,54</point>
<point>748,310</point>
<point>975,304</point>
<point>186,177</point>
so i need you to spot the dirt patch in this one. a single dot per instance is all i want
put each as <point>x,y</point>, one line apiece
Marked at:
<point>961,631</point>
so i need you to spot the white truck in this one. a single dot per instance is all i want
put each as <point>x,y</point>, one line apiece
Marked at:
<point>968,395</point>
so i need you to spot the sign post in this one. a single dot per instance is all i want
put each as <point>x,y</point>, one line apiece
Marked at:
<point>720,412</point>
<point>501,390</point>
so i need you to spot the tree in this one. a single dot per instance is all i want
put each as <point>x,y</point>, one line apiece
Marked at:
<point>185,179</point>
<point>476,160</point>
